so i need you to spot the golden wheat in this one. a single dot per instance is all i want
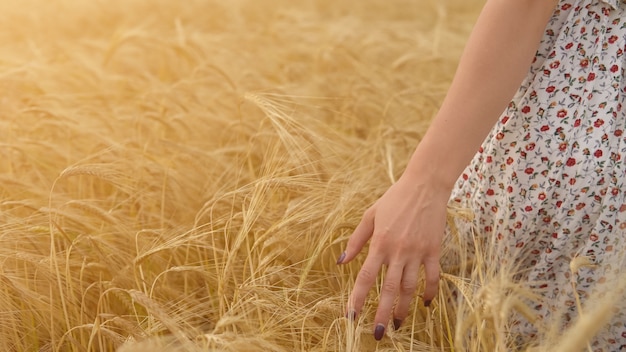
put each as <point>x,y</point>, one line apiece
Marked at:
<point>181,176</point>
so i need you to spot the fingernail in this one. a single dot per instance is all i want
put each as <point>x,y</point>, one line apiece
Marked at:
<point>379,332</point>
<point>351,315</point>
<point>427,303</point>
<point>396,324</point>
<point>341,258</point>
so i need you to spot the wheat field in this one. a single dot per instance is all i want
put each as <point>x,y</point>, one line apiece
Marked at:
<point>182,175</point>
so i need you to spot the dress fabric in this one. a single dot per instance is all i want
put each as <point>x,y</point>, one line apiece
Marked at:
<point>548,184</point>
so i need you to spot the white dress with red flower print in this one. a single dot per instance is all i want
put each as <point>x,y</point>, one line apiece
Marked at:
<point>549,182</point>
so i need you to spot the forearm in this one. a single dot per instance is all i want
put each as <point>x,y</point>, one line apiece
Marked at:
<point>494,63</point>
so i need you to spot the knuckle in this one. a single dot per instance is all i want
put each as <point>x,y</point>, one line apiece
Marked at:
<point>408,287</point>
<point>367,275</point>
<point>381,239</point>
<point>432,280</point>
<point>369,214</point>
<point>390,287</point>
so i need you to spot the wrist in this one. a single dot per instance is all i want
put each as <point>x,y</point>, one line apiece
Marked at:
<point>435,167</point>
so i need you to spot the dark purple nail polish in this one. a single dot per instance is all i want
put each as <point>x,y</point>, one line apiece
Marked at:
<point>341,258</point>
<point>379,332</point>
<point>396,324</point>
<point>351,315</point>
<point>427,303</point>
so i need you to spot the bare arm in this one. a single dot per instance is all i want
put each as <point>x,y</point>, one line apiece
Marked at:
<point>407,223</point>
<point>495,61</point>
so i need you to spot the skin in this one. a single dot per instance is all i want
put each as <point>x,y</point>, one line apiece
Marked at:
<point>406,225</point>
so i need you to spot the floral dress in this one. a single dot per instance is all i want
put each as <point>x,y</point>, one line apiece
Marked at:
<point>549,182</point>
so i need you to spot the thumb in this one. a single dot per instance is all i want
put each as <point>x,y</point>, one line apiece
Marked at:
<point>359,237</point>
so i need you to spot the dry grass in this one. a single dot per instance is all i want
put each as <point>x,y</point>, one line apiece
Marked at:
<point>182,175</point>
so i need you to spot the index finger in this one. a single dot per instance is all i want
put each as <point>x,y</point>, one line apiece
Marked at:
<point>364,282</point>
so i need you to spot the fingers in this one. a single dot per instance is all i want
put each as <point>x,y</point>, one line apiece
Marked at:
<point>364,281</point>
<point>359,237</point>
<point>389,292</point>
<point>431,279</point>
<point>401,281</point>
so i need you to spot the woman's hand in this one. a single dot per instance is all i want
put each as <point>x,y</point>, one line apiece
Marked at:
<point>406,226</point>
<point>407,223</point>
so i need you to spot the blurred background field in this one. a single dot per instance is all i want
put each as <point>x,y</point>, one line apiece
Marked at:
<point>182,175</point>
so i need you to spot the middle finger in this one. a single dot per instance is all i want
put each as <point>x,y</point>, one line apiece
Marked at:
<point>389,292</point>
